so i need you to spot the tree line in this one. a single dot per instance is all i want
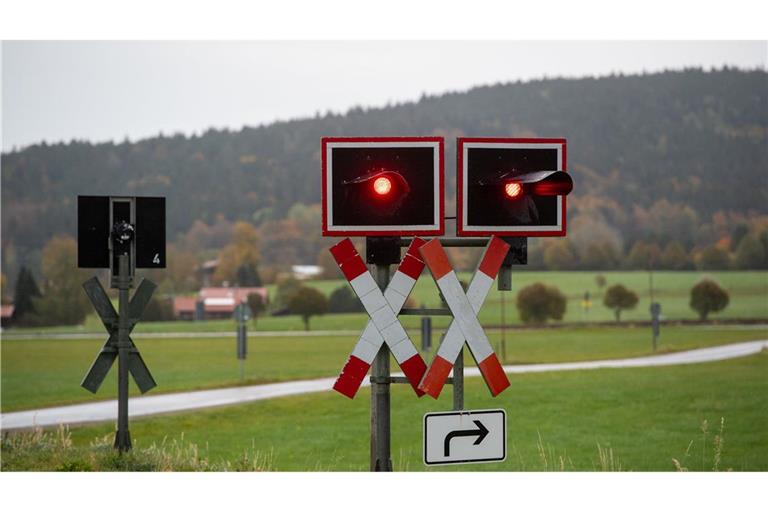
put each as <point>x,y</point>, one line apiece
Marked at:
<point>677,156</point>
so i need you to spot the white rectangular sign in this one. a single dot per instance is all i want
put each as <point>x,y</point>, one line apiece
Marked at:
<point>458,437</point>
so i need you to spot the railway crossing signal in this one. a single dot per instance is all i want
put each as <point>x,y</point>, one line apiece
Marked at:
<point>511,187</point>
<point>465,326</point>
<point>120,233</point>
<point>138,226</point>
<point>383,327</point>
<point>388,188</point>
<point>382,186</point>
<point>106,357</point>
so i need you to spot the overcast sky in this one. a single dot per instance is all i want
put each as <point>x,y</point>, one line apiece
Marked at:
<point>101,91</point>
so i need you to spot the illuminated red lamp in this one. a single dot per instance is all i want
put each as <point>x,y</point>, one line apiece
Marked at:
<point>382,185</point>
<point>513,189</point>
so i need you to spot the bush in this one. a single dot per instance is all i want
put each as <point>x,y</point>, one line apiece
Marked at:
<point>286,289</point>
<point>618,298</point>
<point>600,281</point>
<point>713,258</point>
<point>538,302</point>
<point>158,310</point>
<point>343,300</point>
<point>308,302</point>
<point>708,297</point>
<point>256,304</point>
<point>751,254</point>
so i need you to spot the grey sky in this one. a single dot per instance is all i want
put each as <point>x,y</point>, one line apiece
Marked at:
<point>99,91</point>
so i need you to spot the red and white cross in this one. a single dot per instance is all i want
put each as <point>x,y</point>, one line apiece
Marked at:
<point>384,326</point>
<point>465,325</point>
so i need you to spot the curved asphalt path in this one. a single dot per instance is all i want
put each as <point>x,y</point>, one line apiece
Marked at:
<point>95,412</point>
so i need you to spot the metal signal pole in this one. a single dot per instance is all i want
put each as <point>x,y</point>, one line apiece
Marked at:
<point>380,396</point>
<point>122,436</point>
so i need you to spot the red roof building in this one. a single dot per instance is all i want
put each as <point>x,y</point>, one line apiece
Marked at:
<point>215,302</point>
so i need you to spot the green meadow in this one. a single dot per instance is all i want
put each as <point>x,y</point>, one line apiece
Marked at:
<point>706,417</point>
<point>45,372</point>
<point>748,300</point>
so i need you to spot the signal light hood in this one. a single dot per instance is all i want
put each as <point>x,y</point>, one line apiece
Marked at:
<point>540,183</point>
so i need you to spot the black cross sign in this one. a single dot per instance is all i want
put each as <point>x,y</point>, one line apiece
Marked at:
<point>109,318</point>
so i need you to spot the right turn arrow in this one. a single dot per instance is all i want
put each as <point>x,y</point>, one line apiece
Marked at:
<point>481,433</point>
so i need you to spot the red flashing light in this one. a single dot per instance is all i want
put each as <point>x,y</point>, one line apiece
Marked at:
<point>382,185</point>
<point>513,189</point>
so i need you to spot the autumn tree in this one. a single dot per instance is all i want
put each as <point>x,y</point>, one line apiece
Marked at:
<point>708,297</point>
<point>643,255</point>
<point>243,250</point>
<point>618,298</point>
<point>286,289</point>
<point>751,254</point>
<point>308,302</point>
<point>257,305</point>
<point>247,275</point>
<point>675,257</point>
<point>63,302</point>
<point>599,256</point>
<point>559,255</point>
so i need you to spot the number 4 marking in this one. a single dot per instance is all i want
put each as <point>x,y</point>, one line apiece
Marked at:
<point>156,259</point>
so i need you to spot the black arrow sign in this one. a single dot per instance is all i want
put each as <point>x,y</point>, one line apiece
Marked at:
<point>481,434</point>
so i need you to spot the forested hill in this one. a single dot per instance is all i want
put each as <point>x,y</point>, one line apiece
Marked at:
<point>696,138</point>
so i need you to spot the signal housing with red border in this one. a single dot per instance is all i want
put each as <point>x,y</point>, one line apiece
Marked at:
<point>511,187</point>
<point>383,186</point>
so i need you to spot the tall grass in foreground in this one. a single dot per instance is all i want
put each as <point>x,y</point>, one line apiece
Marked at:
<point>711,455</point>
<point>53,450</point>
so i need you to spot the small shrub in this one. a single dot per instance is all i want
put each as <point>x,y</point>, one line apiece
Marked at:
<point>343,300</point>
<point>618,298</point>
<point>538,302</point>
<point>158,310</point>
<point>708,297</point>
<point>600,281</point>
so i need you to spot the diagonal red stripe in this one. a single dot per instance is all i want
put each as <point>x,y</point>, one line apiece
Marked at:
<point>494,257</point>
<point>494,374</point>
<point>435,378</point>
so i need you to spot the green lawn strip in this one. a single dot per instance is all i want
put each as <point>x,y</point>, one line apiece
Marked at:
<point>643,417</point>
<point>43,373</point>
<point>748,290</point>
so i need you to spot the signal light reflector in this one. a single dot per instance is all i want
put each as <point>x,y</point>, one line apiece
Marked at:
<point>513,189</point>
<point>382,185</point>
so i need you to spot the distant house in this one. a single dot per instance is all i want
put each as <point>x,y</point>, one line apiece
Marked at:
<point>214,302</point>
<point>6,312</point>
<point>302,272</point>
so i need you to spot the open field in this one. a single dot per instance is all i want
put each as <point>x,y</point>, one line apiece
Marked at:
<point>45,372</point>
<point>748,291</point>
<point>642,418</point>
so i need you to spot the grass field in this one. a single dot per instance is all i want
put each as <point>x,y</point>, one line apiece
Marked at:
<point>45,372</point>
<point>748,291</point>
<point>639,419</point>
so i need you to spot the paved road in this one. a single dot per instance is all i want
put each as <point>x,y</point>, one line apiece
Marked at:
<point>153,335</point>
<point>94,412</point>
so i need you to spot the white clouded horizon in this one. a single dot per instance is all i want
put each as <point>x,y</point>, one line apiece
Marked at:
<point>101,91</point>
